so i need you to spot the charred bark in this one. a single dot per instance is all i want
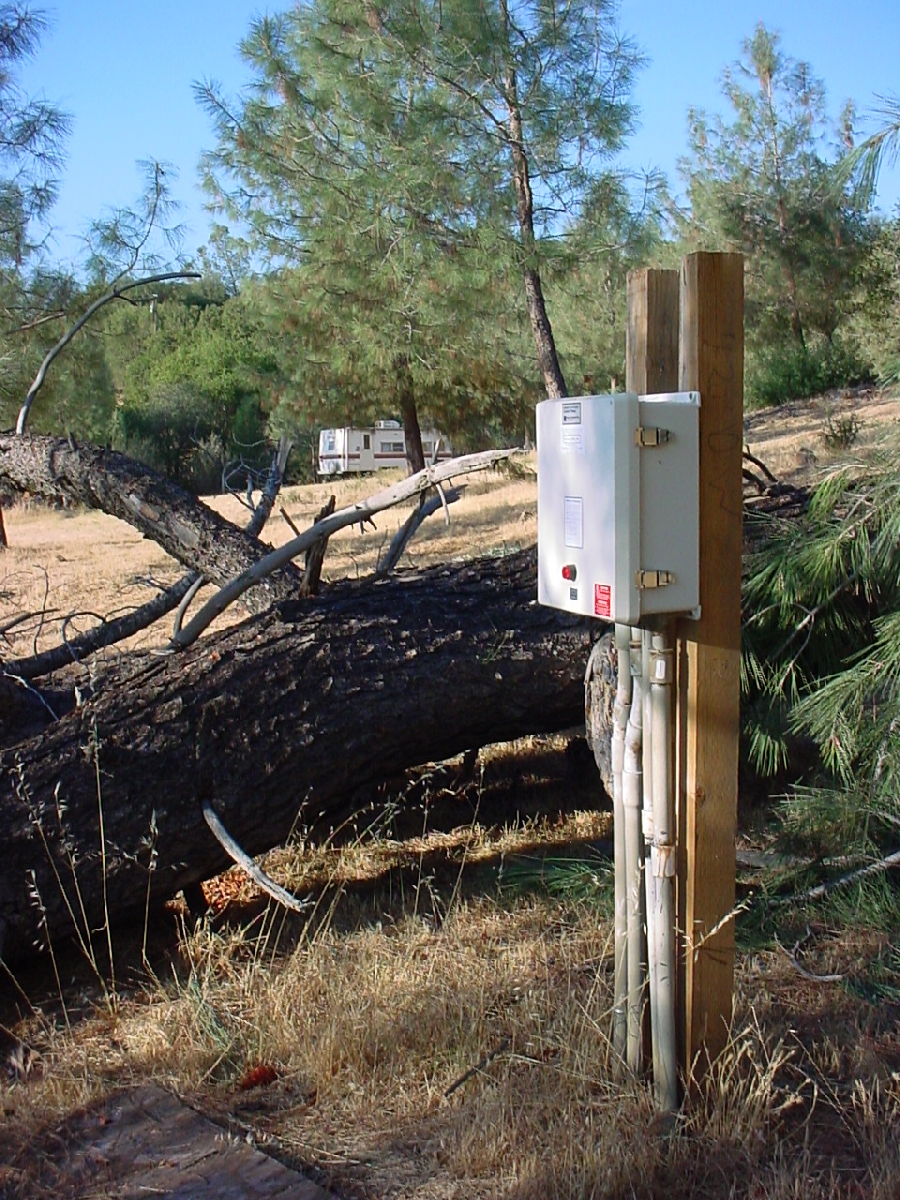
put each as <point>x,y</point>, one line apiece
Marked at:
<point>183,525</point>
<point>276,722</point>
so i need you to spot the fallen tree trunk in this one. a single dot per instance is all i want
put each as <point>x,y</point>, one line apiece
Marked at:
<point>277,723</point>
<point>109,632</point>
<point>184,526</point>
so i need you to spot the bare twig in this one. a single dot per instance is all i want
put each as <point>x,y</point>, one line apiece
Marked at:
<point>351,515</point>
<point>824,889</point>
<point>757,462</point>
<point>185,604</point>
<point>406,531</point>
<point>758,483</point>
<point>21,618</point>
<point>107,633</point>
<point>23,682</point>
<point>36,322</point>
<point>501,1048</point>
<point>246,863</point>
<point>292,524</point>
<point>798,966</point>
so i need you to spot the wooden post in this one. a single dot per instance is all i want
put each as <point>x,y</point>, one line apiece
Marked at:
<point>651,332</point>
<point>712,362</point>
<point>651,365</point>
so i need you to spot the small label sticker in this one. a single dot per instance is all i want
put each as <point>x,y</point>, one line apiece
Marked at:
<point>573,593</point>
<point>572,441</point>
<point>571,412</point>
<point>602,600</point>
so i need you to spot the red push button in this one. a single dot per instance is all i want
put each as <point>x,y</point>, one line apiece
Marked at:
<point>569,572</point>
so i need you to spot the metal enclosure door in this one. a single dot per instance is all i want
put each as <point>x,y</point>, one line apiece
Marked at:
<point>588,498</point>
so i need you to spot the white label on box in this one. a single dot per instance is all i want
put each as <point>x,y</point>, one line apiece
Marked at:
<point>575,522</point>
<point>571,428</point>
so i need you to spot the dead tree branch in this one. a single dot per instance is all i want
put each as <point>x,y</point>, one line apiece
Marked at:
<point>114,293</point>
<point>179,595</point>
<point>107,633</point>
<point>358,512</point>
<point>184,526</point>
<point>246,863</point>
<point>408,529</point>
<point>315,555</point>
<point>821,890</point>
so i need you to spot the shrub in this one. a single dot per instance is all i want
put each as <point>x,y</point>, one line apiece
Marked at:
<point>789,371</point>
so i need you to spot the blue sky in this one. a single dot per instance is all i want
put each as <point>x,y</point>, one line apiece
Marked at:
<point>124,71</point>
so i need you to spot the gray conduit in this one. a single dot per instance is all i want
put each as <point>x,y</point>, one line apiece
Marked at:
<point>644,852</point>
<point>661,876</point>
<point>620,938</point>
<point>632,787</point>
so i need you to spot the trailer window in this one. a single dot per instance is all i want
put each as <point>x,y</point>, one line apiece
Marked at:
<point>393,448</point>
<point>367,442</point>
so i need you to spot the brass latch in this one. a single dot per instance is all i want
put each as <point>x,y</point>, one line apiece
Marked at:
<point>650,436</point>
<point>653,579</point>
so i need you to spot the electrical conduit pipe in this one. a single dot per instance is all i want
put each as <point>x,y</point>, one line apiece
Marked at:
<point>632,788</point>
<point>661,876</point>
<point>621,710</point>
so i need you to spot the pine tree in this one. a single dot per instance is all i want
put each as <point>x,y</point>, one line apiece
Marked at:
<point>336,164</point>
<point>31,139</point>
<point>413,162</point>
<point>764,183</point>
<point>542,93</point>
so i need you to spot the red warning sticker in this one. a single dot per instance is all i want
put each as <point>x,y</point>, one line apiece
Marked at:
<point>602,600</point>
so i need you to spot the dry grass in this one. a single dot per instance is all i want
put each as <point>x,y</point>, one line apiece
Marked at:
<point>798,439</point>
<point>419,964</point>
<point>369,1023</point>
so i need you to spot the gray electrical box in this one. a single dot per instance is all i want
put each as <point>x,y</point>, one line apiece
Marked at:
<point>619,505</point>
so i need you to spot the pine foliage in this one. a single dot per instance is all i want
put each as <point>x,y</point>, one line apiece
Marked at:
<point>822,651</point>
<point>767,182</point>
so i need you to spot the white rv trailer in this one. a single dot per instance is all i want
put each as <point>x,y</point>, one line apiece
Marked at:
<point>343,451</point>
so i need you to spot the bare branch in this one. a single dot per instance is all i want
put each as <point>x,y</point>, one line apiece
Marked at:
<point>824,889</point>
<point>180,594</point>
<point>246,863</point>
<point>186,603</point>
<point>114,293</point>
<point>757,462</point>
<point>106,633</point>
<point>351,515</point>
<point>315,555</point>
<point>408,529</point>
<point>798,966</point>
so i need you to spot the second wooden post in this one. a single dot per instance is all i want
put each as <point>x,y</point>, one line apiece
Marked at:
<point>711,362</point>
